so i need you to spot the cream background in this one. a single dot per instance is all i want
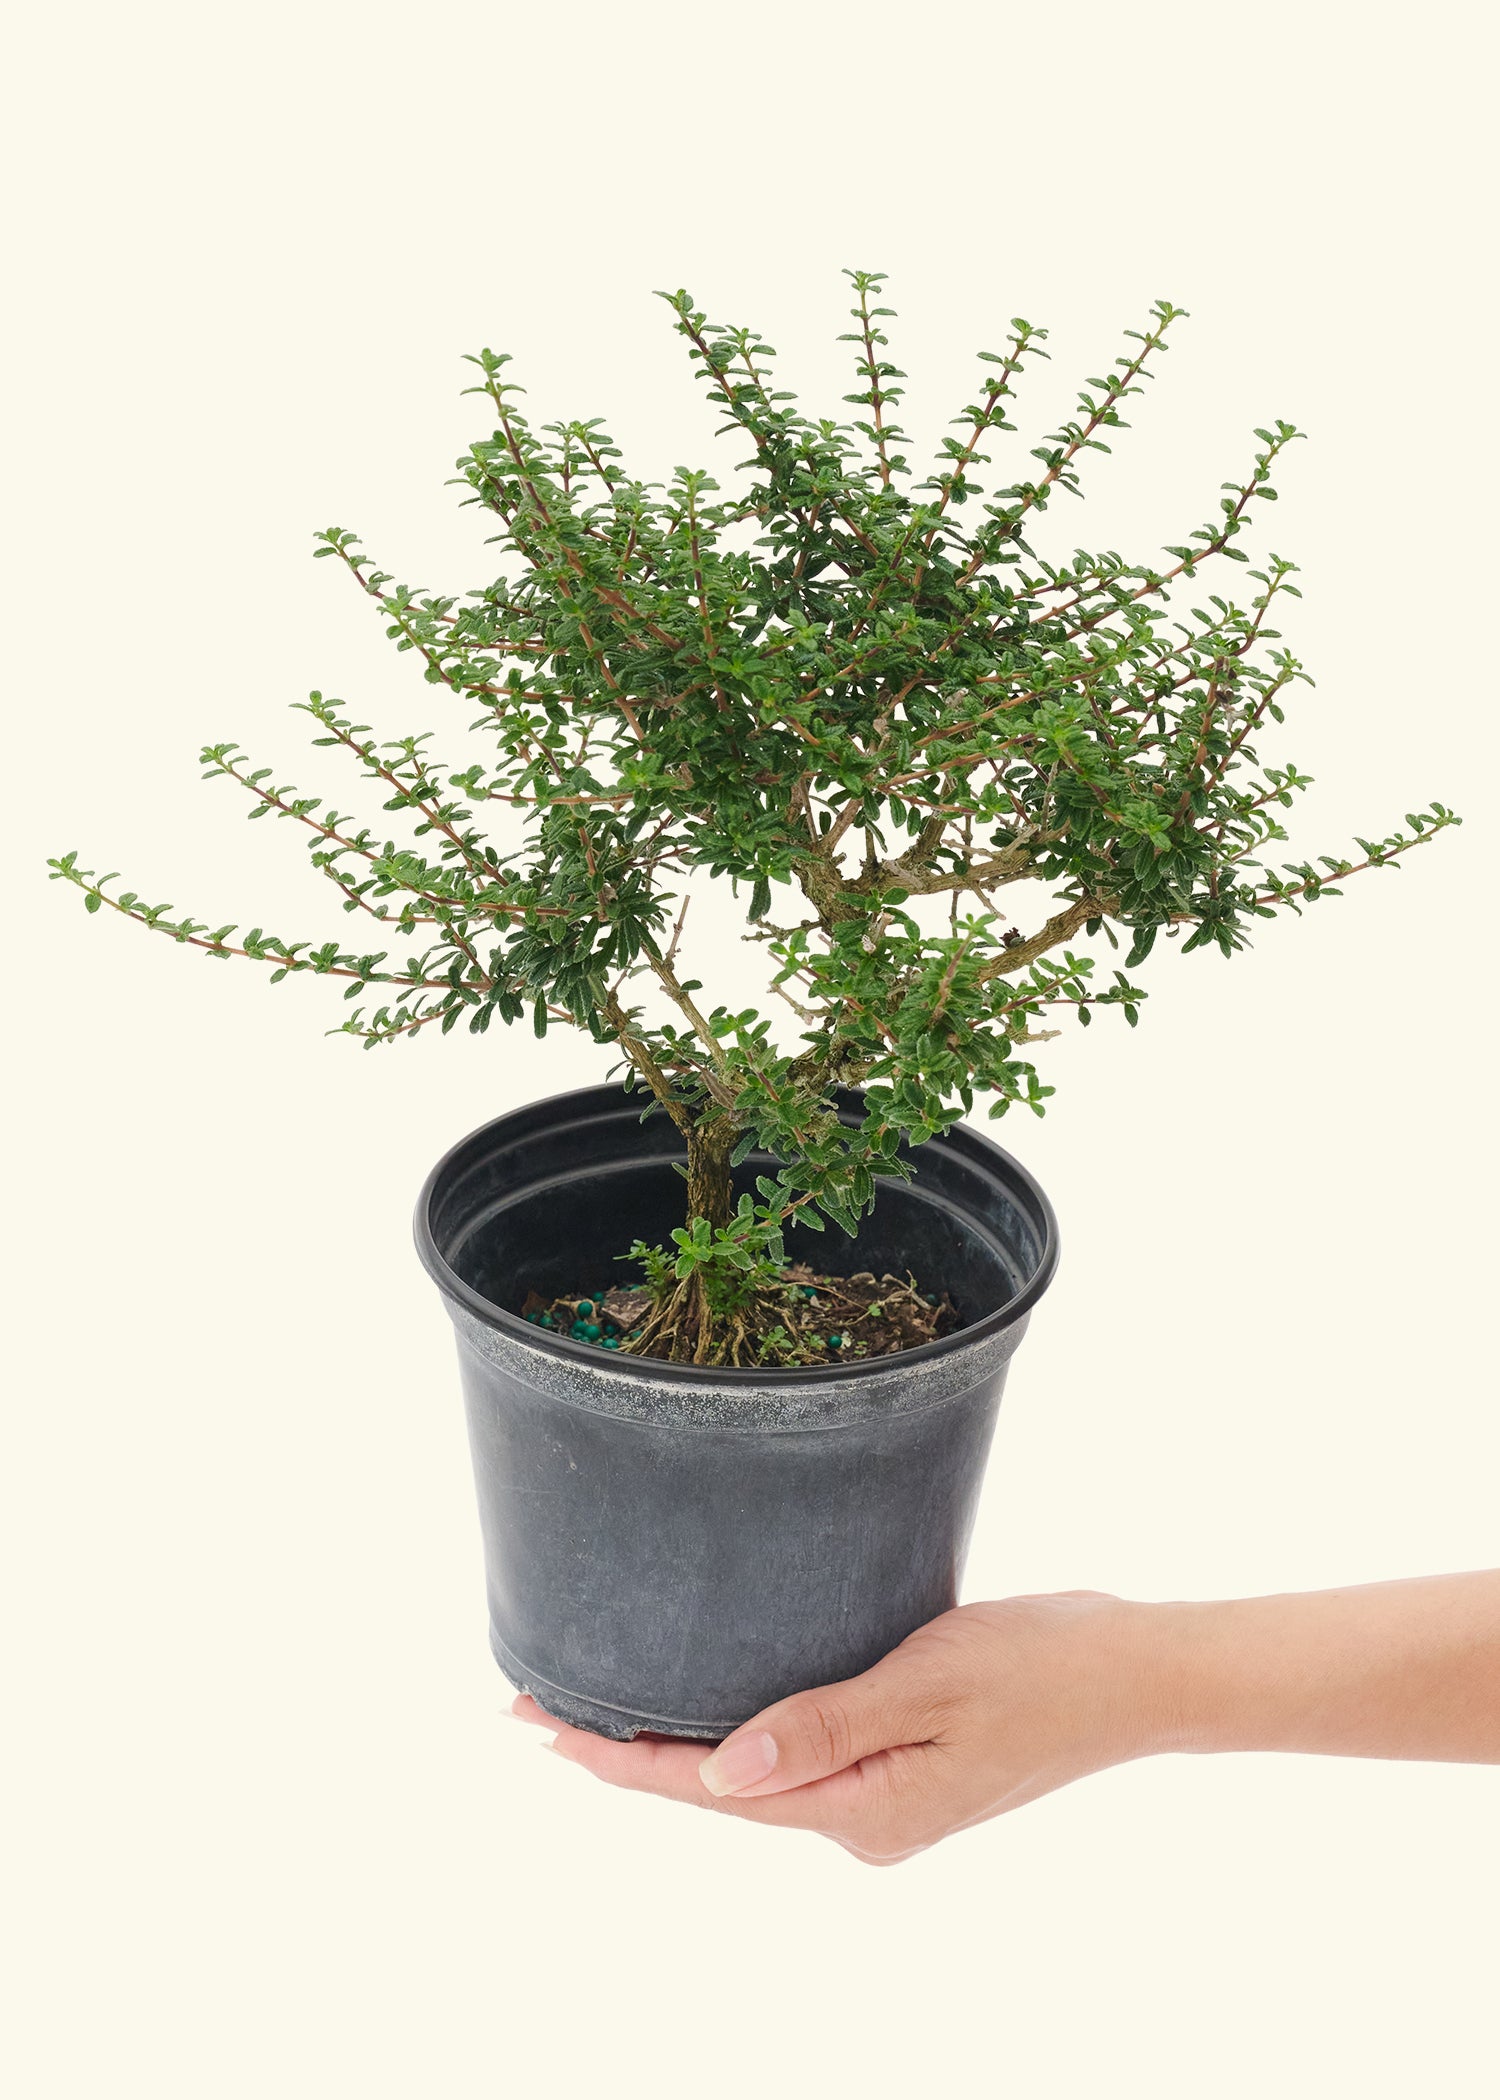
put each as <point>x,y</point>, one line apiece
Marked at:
<point>265,1832</point>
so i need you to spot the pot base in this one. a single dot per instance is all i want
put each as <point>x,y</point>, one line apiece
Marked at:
<point>618,1722</point>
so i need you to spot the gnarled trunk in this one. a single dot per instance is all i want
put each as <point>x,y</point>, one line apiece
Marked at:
<point>710,1193</point>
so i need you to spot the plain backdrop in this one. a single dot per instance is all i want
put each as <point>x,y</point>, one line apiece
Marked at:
<point>266,1833</point>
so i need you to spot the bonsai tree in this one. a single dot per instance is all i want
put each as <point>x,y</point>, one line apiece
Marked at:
<point>868,700</point>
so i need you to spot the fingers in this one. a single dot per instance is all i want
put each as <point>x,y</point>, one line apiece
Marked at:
<point>656,1765</point>
<point>524,1708</point>
<point>648,1765</point>
<point>815,1735</point>
<point>651,1766</point>
<point>645,1765</point>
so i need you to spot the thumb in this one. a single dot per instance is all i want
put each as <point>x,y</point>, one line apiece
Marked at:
<point>814,1734</point>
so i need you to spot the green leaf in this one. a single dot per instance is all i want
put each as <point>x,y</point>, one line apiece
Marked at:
<point>884,702</point>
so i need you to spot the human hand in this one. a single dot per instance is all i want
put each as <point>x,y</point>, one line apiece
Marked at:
<point>994,1704</point>
<point>984,1709</point>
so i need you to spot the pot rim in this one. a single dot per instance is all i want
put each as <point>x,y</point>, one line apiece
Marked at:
<point>658,1369</point>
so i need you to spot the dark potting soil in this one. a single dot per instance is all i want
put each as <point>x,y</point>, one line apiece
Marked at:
<point>806,1318</point>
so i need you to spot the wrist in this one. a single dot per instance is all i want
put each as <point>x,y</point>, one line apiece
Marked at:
<point>1259,1673</point>
<point>1153,1675</point>
<point>1194,1689</point>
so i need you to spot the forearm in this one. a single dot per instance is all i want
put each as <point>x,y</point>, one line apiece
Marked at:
<point>1390,1669</point>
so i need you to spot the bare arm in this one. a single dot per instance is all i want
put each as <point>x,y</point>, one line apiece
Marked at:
<point>1390,1669</point>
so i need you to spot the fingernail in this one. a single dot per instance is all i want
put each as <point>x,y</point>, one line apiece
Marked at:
<point>739,1763</point>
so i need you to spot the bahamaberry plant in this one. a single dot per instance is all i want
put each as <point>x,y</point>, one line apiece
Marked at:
<point>839,684</point>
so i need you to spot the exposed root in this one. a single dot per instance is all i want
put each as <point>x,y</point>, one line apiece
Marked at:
<point>800,1320</point>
